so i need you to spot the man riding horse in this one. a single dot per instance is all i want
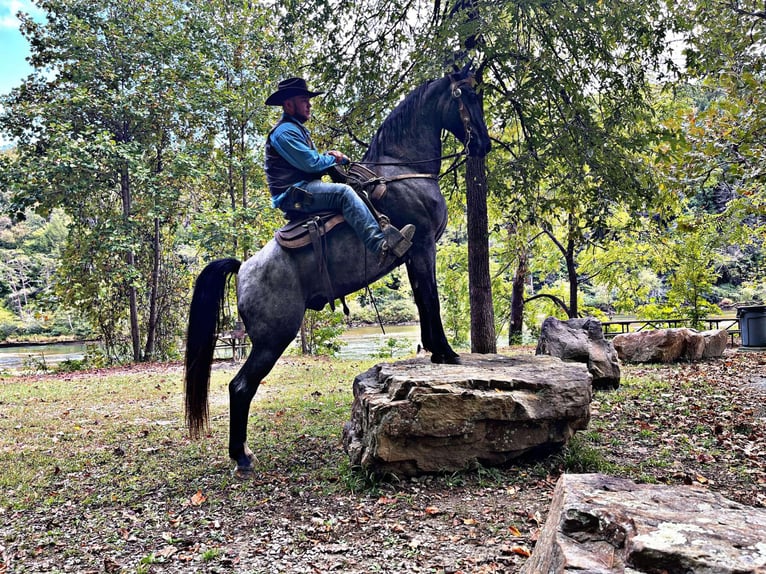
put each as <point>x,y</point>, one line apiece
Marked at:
<point>294,169</point>
<point>276,285</point>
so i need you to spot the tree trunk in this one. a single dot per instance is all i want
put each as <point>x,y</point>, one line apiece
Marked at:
<point>305,350</point>
<point>151,328</point>
<point>569,257</point>
<point>479,281</point>
<point>154,288</point>
<point>130,259</point>
<point>517,299</point>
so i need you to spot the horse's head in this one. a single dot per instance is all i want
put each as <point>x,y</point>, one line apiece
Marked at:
<point>465,116</point>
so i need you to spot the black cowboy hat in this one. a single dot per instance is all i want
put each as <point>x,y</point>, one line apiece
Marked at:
<point>289,88</point>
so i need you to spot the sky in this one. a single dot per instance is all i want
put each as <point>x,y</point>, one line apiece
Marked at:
<point>13,47</point>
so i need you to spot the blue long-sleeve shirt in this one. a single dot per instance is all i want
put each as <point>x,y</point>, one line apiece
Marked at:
<point>292,141</point>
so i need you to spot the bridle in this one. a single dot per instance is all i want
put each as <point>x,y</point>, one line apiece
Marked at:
<point>465,117</point>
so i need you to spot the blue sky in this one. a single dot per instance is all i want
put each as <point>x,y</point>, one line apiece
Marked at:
<point>13,47</point>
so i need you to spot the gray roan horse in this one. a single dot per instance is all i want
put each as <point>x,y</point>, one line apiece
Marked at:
<point>276,286</point>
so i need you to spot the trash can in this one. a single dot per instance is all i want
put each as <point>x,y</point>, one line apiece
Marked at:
<point>752,325</point>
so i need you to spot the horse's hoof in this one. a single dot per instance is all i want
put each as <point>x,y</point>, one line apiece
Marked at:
<point>445,359</point>
<point>243,472</point>
<point>244,468</point>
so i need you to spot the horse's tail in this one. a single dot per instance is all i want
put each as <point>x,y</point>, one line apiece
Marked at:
<point>205,316</point>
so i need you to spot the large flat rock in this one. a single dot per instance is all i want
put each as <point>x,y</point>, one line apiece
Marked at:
<point>604,525</point>
<point>414,416</point>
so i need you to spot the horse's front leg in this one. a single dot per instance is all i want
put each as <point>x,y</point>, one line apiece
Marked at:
<point>421,269</point>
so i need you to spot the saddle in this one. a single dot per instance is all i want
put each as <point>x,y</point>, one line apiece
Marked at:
<point>298,230</point>
<point>303,229</point>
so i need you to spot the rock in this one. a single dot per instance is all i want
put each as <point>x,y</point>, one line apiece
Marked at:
<point>582,340</point>
<point>716,341</point>
<point>670,345</point>
<point>414,416</point>
<point>606,525</point>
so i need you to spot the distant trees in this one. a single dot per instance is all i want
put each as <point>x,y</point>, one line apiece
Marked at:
<point>121,125</point>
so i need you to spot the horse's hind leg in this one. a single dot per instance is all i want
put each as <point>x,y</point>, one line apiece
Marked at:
<point>242,388</point>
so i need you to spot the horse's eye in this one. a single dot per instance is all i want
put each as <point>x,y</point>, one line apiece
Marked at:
<point>456,93</point>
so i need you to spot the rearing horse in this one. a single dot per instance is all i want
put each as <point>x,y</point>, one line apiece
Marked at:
<point>276,285</point>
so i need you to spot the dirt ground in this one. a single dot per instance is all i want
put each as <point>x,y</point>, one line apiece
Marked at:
<point>701,425</point>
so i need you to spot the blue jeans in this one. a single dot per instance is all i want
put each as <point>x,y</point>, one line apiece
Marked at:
<point>340,197</point>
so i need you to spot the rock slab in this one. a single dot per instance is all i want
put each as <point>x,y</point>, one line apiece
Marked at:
<point>414,417</point>
<point>582,340</point>
<point>670,345</point>
<point>604,525</point>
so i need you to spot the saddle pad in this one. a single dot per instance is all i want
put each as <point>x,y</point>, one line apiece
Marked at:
<point>295,234</point>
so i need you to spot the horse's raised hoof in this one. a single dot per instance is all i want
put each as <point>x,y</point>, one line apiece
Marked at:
<point>445,359</point>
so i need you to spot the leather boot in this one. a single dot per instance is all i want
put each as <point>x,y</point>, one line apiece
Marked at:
<point>397,243</point>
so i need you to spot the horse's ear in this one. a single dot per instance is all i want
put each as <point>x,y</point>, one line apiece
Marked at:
<point>465,70</point>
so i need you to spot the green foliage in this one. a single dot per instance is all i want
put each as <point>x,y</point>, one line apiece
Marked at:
<point>389,300</point>
<point>579,456</point>
<point>392,347</point>
<point>452,276</point>
<point>139,139</point>
<point>321,331</point>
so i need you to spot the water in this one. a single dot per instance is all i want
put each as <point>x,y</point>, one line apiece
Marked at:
<point>17,357</point>
<point>358,343</point>
<point>366,342</point>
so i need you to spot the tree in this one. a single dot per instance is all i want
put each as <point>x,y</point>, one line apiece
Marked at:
<point>569,92</point>
<point>95,130</point>
<point>238,54</point>
<point>726,128</point>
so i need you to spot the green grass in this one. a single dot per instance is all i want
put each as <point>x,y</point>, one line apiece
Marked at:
<point>101,440</point>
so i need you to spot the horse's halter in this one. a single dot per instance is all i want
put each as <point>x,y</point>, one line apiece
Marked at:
<point>465,117</point>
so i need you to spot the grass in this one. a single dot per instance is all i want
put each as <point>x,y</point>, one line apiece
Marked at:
<point>99,466</point>
<point>99,440</point>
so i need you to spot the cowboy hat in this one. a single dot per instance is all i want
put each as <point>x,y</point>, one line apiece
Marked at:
<point>289,88</point>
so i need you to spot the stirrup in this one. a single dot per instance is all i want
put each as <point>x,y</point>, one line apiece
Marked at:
<point>400,241</point>
<point>397,242</point>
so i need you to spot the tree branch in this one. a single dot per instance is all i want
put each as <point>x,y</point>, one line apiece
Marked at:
<point>553,298</point>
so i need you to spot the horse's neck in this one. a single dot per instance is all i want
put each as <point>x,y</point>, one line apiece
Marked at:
<point>417,142</point>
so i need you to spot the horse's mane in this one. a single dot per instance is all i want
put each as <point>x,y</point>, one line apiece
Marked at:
<point>401,119</point>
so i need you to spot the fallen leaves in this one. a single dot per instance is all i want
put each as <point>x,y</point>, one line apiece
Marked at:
<point>198,498</point>
<point>298,514</point>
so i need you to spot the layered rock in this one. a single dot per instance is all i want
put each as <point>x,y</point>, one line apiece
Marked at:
<point>606,525</point>
<point>670,345</point>
<point>414,416</point>
<point>582,340</point>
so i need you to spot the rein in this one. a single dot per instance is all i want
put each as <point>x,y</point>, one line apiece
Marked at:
<point>464,151</point>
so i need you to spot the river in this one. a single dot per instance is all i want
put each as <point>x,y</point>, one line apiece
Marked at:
<point>32,355</point>
<point>357,343</point>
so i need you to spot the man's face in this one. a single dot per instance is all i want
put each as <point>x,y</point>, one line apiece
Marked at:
<point>299,107</point>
